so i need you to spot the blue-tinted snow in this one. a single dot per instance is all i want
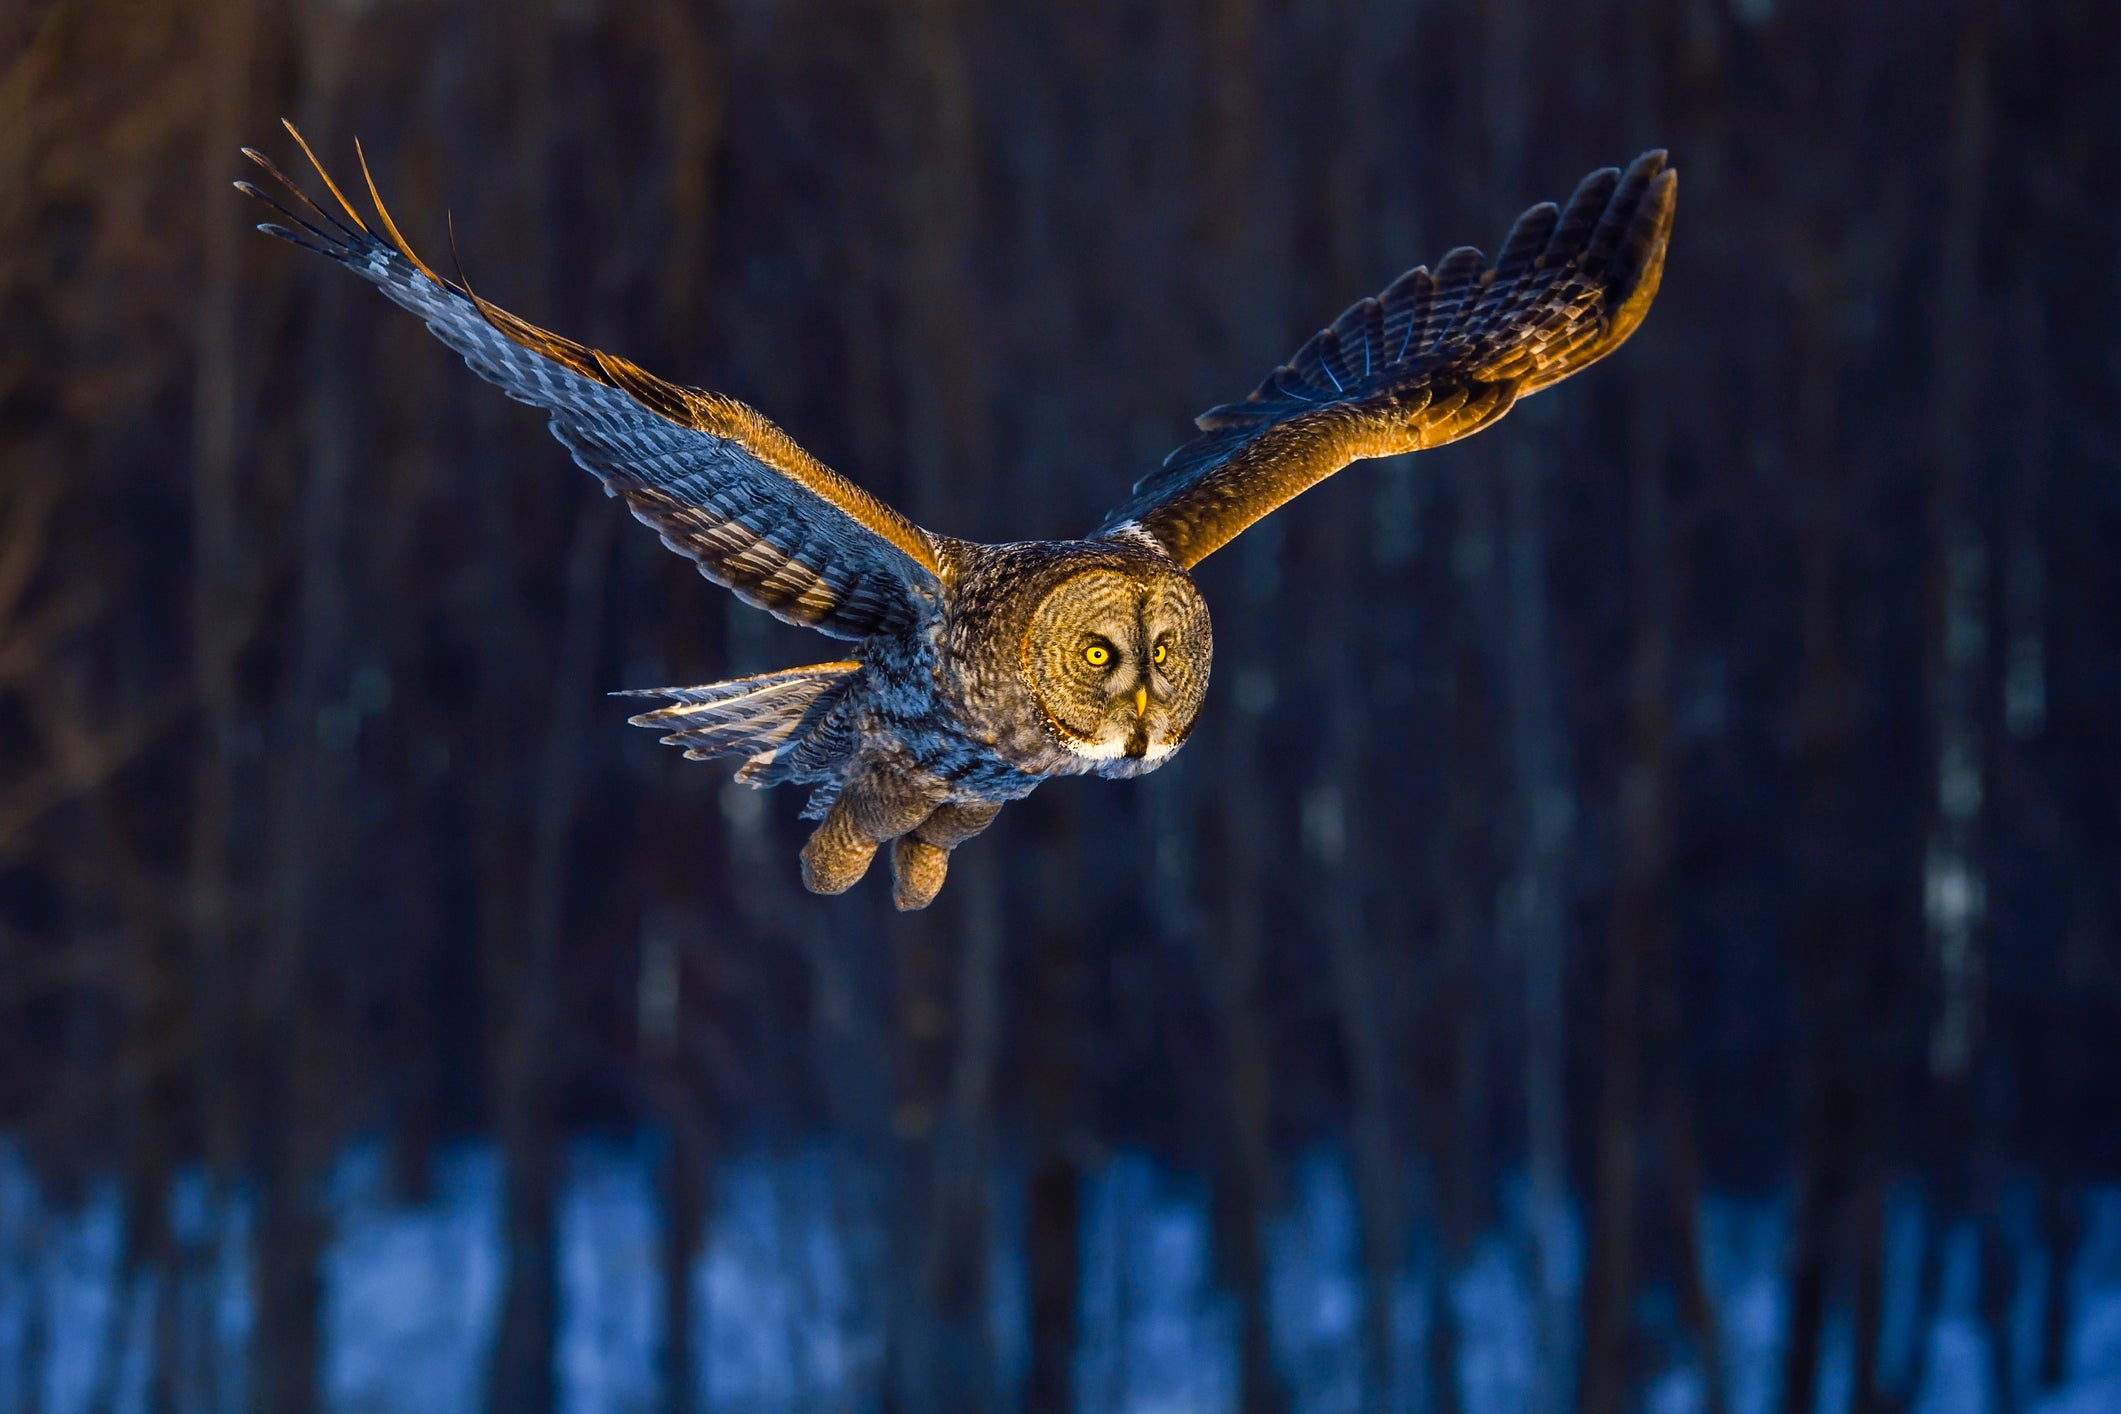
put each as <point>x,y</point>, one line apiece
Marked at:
<point>1157,1336</point>
<point>787,1296</point>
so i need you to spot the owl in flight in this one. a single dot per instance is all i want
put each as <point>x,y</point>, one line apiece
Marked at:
<point>981,670</point>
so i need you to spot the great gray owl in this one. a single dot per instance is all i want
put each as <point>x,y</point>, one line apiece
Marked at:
<point>982,670</point>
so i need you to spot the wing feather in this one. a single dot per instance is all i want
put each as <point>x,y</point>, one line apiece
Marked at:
<point>1435,357</point>
<point>720,484</point>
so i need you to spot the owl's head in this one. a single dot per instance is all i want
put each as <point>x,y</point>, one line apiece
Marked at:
<point>1117,659</point>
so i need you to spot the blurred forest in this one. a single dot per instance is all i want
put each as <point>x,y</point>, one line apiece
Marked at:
<point>1706,781</point>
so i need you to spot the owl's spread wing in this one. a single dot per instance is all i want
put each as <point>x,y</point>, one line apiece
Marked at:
<point>719,482</point>
<point>1434,358</point>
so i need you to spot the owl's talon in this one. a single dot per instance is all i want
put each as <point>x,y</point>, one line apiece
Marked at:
<point>834,860</point>
<point>917,872</point>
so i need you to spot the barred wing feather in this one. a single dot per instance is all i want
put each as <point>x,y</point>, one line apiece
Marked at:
<point>720,483</point>
<point>1435,357</point>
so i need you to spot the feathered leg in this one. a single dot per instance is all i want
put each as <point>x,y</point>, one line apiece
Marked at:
<point>871,810</point>
<point>920,859</point>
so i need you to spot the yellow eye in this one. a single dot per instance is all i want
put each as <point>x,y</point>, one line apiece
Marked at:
<point>1158,655</point>
<point>1097,655</point>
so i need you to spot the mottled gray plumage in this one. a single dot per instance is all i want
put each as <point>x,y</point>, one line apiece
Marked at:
<point>985,669</point>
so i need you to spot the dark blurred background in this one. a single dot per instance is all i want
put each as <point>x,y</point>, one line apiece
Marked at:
<point>1702,786</point>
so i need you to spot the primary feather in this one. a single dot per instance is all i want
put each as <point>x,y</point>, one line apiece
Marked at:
<point>1433,358</point>
<point>720,483</point>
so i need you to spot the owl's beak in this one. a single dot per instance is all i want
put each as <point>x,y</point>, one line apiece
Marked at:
<point>1141,701</point>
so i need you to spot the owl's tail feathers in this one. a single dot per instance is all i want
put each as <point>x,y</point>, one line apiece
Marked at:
<point>780,722</point>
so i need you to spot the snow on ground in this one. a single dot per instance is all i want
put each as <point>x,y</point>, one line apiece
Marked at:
<point>2093,1373</point>
<point>410,1295</point>
<point>1158,1338</point>
<point>787,1296</point>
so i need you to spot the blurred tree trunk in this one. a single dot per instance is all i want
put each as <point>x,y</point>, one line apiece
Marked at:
<point>1230,958</point>
<point>947,444</point>
<point>1864,1241</point>
<point>1543,806</point>
<point>2037,823</point>
<point>308,814</point>
<point>1336,815</point>
<point>1230,953</point>
<point>223,398</point>
<point>940,1346</point>
<point>682,1379</point>
<point>1338,835</point>
<point>1053,1243</point>
<point>1530,913</point>
<point>1379,1188</point>
<point>527,1080</point>
<point>939,1352</point>
<point>1053,1189</point>
<point>2061,1231</point>
<point>959,1255</point>
<point>675,930</point>
<point>1823,925</point>
<point>1685,81</point>
<point>1638,938</point>
<point>920,1046</point>
<point>520,913</point>
<point>1680,75</point>
<point>1965,1064</point>
<point>1833,932</point>
<point>1465,885</point>
<point>693,44</point>
<point>152,963</point>
<point>1680,1133</point>
<point>1697,1299</point>
<point>694,90</point>
<point>1954,886</point>
<point>1640,1024</point>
